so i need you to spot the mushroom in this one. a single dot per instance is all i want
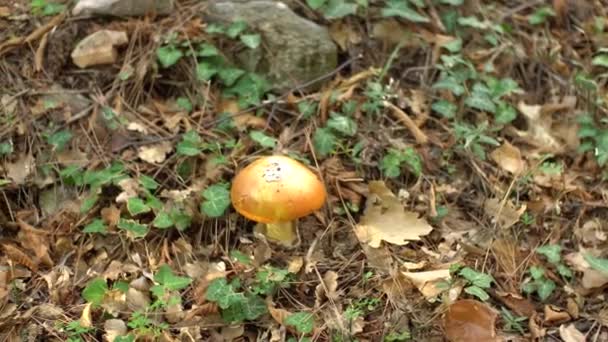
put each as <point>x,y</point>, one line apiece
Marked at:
<point>275,191</point>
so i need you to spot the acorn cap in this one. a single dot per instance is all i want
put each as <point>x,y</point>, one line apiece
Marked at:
<point>276,189</point>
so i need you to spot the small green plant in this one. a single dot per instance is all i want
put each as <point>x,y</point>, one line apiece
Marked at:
<point>244,302</point>
<point>46,8</point>
<point>512,322</point>
<point>595,138</point>
<point>541,15</point>
<point>553,255</point>
<point>327,139</point>
<point>527,218</point>
<point>335,9</point>
<point>400,336</point>
<point>167,284</point>
<point>392,163</point>
<point>75,331</point>
<point>360,308</point>
<point>474,138</point>
<point>216,200</point>
<point>538,283</point>
<point>303,322</point>
<point>6,148</point>
<point>476,282</point>
<point>142,325</point>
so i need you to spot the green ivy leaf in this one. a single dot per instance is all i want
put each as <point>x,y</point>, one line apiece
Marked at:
<point>168,55</point>
<point>206,70</point>
<point>342,124</point>
<point>224,294</point>
<point>148,182</point>
<point>217,200</point>
<point>230,75</point>
<point>599,264</point>
<point>236,28</point>
<point>505,113</point>
<point>95,291</point>
<point>445,108</point>
<point>476,278</point>
<point>6,148</point>
<point>136,206</point>
<point>59,139</point>
<point>135,228</point>
<point>190,145</point>
<point>263,139</point>
<point>169,280</point>
<point>449,83</point>
<point>252,41</point>
<point>551,252</point>
<point>302,321</point>
<point>249,90</point>
<point>338,9</point>
<point>88,203</point>
<point>481,101</point>
<point>452,2</point>
<point>540,15</point>
<point>400,8</point>
<point>184,103</point>
<point>315,4</point>
<point>477,292</point>
<point>324,141</point>
<point>162,220</point>
<point>254,307</point>
<point>390,164</point>
<point>545,289</point>
<point>600,60</point>
<point>96,226</point>
<point>181,219</point>
<point>207,50</point>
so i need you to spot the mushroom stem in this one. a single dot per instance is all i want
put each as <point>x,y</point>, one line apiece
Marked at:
<point>281,232</point>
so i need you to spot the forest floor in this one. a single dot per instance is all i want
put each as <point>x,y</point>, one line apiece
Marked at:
<point>463,146</point>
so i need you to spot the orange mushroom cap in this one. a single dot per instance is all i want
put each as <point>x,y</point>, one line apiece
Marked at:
<point>276,189</point>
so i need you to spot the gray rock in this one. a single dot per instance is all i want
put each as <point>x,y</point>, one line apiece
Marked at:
<point>294,50</point>
<point>123,8</point>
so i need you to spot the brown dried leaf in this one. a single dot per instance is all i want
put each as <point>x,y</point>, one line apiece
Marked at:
<point>343,34</point>
<point>429,283</point>
<point>110,215</point>
<point>21,169</point>
<point>295,264</point>
<point>279,315</point>
<point>385,219</point>
<point>232,332</point>
<point>114,328</point>
<point>539,131</point>
<point>155,154</point>
<point>36,241</point>
<point>504,214</point>
<point>327,288</point>
<point>508,157</point>
<point>569,333</point>
<point>19,257</point>
<point>521,306</point>
<point>555,315</point>
<point>470,320</point>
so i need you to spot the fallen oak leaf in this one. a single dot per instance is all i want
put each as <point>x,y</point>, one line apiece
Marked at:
<point>429,283</point>
<point>508,157</point>
<point>385,219</point>
<point>155,154</point>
